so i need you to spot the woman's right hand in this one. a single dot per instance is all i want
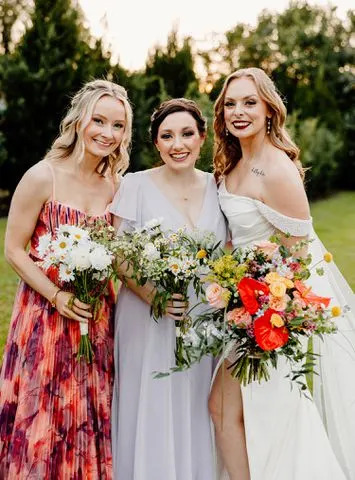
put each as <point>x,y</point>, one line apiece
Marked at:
<point>79,311</point>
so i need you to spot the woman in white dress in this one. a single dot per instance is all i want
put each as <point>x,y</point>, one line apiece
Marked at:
<point>269,431</point>
<point>161,427</point>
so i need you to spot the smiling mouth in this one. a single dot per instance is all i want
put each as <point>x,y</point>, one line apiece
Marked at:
<point>102,144</point>
<point>179,157</point>
<point>241,125</point>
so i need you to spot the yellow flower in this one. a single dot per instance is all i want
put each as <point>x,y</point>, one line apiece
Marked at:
<point>336,311</point>
<point>201,254</point>
<point>287,282</point>
<point>272,277</point>
<point>278,289</point>
<point>328,257</point>
<point>276,320</point>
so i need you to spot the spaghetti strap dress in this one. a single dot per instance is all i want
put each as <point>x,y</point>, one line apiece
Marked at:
<point>54,410</point>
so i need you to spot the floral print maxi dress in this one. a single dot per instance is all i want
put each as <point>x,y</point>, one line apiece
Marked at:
<point>54,410</point>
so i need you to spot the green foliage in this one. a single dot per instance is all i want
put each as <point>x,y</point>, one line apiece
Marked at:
<point>174,64</point>
<point>145,93</point>
<point>319,149</point>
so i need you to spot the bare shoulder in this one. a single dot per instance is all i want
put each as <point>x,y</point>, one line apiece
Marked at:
<point>280,166</point>
<point>283,187</point>
<point>37,181</point>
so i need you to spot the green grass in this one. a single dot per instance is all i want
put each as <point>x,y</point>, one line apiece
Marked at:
<point>334,221</point>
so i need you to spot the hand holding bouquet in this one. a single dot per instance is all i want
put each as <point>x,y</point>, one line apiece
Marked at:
<point>261,308</point>
<point>171,261</point>
<point>84,258</point>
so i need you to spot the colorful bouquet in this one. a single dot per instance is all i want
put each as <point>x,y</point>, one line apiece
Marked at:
<point>261,308</point>
<point>170,261</point>
<point>84,257</point>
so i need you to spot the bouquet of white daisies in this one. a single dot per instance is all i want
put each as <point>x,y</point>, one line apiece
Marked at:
<point>84,257</point>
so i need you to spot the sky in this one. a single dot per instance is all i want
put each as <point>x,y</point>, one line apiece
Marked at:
<point>133,27</point>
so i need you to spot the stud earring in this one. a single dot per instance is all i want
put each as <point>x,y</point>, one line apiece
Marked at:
<point>268,126</point>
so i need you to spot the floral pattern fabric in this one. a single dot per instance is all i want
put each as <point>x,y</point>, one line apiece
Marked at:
<point>55,412</point>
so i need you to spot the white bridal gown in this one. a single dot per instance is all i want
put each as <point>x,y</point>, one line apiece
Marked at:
<point>160,427</point>
<point>286,437</point>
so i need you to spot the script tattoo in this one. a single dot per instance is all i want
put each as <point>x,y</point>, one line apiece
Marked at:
<point>258,173</point>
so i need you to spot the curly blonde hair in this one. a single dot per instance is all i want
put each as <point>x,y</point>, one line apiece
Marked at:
<point>70,140</point>
<point>227,149</point>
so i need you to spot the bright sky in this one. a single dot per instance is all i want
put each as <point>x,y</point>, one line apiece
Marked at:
<point>135,26</point>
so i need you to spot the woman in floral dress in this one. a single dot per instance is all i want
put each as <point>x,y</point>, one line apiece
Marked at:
<point>54,409</point>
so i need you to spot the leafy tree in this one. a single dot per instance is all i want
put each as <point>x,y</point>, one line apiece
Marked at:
<point>174,64</point>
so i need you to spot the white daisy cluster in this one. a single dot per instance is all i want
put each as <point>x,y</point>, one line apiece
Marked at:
<point>73,251</point>
<point>165,257</point>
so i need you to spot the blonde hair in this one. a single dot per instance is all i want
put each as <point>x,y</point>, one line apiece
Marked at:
<point>70,140</point>
<point>227,149</point>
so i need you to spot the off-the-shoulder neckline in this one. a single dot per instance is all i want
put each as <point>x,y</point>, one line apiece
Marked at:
<point>262,204</point>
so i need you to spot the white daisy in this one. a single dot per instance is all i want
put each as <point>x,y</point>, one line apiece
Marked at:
<point>65,273</point>
<point>43,244</point>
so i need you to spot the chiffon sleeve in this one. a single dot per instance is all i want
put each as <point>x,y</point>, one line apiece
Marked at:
<point>127,202</point>
<point>293,226</point>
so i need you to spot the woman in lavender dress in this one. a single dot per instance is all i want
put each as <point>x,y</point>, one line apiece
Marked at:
<point>161,428</point>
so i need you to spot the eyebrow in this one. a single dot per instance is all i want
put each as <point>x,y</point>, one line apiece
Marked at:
<point>184,128</point>
<point>103,116</point>
<point>244,98</point>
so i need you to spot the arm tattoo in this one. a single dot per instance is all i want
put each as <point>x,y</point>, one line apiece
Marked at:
<point>257,172</point>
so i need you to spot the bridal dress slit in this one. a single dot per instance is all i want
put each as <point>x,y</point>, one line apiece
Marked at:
<point>160,427</point>
<point>286,437</point>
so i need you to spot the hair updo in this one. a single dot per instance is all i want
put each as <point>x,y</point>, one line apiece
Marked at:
<point>173,106</point>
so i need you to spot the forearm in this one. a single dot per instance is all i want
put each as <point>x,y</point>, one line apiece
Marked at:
<point>31,273</point>
<point>145,292</point>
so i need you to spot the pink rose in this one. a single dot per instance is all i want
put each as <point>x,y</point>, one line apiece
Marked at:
<point>217,296</point>
<point>277,303</point>
<point>268,248</point>
<point>239,316</point>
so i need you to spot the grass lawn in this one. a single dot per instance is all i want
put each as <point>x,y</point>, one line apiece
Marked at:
<point>334,221</point>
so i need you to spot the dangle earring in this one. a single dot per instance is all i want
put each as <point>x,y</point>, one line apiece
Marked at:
<point>227,132</point>
<point>268,126</point>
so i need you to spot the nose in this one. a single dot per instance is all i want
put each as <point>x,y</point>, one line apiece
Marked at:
<point>107,131</point>
<point>238,109</point>
<point>178,144</point>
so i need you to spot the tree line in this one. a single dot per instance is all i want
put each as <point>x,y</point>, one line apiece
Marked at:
<point>306,49</point>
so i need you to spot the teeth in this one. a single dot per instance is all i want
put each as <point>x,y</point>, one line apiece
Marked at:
<point>179,155</point>
<point>103,143</point>
<point>241,124</point>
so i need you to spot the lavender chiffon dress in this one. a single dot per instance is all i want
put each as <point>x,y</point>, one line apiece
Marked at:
<point>160,427</point>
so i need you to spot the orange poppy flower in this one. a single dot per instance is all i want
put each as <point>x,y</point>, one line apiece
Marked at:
<point>267,336</point>
<point>249,291</point>
<point>308,296</point>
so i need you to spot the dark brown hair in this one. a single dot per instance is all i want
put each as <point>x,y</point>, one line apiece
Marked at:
<point>172,106</point>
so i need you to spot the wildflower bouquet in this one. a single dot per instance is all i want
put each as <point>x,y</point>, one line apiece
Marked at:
<point>84,258</point>
<point>171,261</point>
<point>261,308</point>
